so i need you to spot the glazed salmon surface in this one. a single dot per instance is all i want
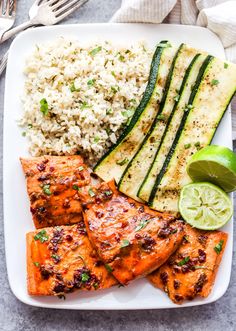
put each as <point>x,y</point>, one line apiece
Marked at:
<point>192,269</point>
<point>53,185</point>
<point>131,239</point>
<point>61,259</point>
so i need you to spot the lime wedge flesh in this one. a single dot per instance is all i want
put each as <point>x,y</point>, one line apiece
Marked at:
<point>205,206</point>
<point>215,164</point>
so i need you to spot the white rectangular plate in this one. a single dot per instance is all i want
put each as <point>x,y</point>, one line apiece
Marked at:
<point>17,218</point>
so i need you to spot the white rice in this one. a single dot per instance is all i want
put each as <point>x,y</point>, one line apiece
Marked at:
<point>91,93</point>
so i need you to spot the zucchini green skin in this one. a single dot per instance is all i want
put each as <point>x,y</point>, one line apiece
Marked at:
<point>214,94</point>
<point>130,180</point>
<point>107,167</point>
<point>202,71</point>
<point>149,180</point>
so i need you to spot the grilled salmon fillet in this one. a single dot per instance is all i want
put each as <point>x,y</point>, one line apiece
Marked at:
<point>131,239</point>
<point>61,259</point>
<point>53,185</point>
<point>192,269</point>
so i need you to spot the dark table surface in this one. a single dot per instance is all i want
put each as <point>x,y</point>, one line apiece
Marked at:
<point>16,316</point>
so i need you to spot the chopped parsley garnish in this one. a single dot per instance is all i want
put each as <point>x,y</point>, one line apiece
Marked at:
<point>214,82</point>
<point>127,51</point>
<point>184,261</point>
<point>109,111</point>
<point>133,100</point>
<point>188,107</point>
<point>226,65</point>
<point>73,88</point>
<point>161,117</point>
<point>201,267</point>
<point>30,126</point>
<point>81,168</point>
<point>41,236</point>
<point>44,106</point>
<point>84,277</point>
<point>95,285</point>
<point>91,192</point>
<point>176,98</point>
<point>142,225</point>
<point>113,73</point>
<point>37,264</point>
<point>108,267</point>
<point>114,89</point>
<point>108,193</point>
<point>23,134</point>
<point>122,58</point>
<point>125,243</point>
<point>96,139</point>
<point>76,187</point>
<point>197,144</point>
<point>218,247</point>
<point>186,146</point>
<point>122,162</point>
<point>95,50</point>
<point>164,45</point>
<point>84,105</point>
<point>186,238</point>
<point>56,258</point>
<point>46,189</point>
<point>91,82</point>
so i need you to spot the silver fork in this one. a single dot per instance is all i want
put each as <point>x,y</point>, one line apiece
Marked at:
<point>66,8</point>
<point>47,12</point>
<point>7,15</point>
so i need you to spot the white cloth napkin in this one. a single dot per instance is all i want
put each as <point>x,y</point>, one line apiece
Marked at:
<point>217,15</point>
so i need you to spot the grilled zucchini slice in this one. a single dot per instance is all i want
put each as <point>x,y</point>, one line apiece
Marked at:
<point>138,167</point>
<point>172,126</point>
<point>204,113</point>
<point>114,162</point>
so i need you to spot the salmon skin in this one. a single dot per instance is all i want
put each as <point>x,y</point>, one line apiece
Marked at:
<point>131,239</point>
<point>61,260</point>
<point>53,185</point>
<point>192,269</point>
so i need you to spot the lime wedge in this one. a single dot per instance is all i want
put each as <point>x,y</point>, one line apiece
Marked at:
<point>215,164</point>
<point>205,206</point>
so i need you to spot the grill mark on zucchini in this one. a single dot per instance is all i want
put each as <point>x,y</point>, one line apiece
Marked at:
<point>106,161</point>
<point>126,174</point>
<point>202,71</point>
<point>181,91</point>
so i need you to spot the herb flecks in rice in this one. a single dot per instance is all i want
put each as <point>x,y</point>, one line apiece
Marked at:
<point>90,95</point>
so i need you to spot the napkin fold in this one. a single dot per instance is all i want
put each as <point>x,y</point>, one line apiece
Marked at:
<point>219,16</point>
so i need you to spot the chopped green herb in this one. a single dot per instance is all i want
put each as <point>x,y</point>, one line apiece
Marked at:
<point>44,106</point>
<point>84,277</point>
<point>188,107</point>
<point>122,162</point>
<point>133,100</point>
<point>73,88</point>
<point>76,187</point>
<point>161,117</point>
<point>122,58</point>
<point>91,82</point>
<point>127,51</point>
<point>125,243</point>
<point>46,189</point>
<point>41,236</point>
<point>95,50</point>
<point>95,285</point>
<point>37,264</point>
<point>214,82</point>
<point>108,193</point>
<point>186,146</point>
<point>201,267</point>
<point>226,65</point>
<point>30,126</point>
<point>109,111</point>
<point>176,98</point>
<point>91,193</point>
<point>84,105</point>
<point>113,73</point>
<point>96,139</point>
<point>81,168</point>
<point>23,134</point>
<point>114,90</point>
<point>218,247</point>
<point>142,224</point>
<point>197,144</point>
<point>164,45</point>
<point>55,257</point>
<point>108,267</point>
<point>184,261</point>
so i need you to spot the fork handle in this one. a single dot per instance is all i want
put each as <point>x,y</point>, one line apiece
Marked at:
<point>3,62</point>
<point>18,29</point>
